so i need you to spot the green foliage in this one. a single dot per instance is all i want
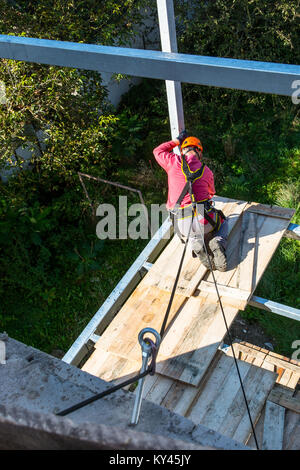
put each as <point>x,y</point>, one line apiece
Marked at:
<point>147,102</point>
<point>54,271</point>
<point>241,29</point>
<point>88,21</point>
<point>69,105</point>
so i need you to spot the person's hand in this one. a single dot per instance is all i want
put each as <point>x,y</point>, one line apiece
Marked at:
<point>182,136</point>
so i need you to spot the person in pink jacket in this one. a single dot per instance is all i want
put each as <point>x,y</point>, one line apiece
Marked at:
<point>210,226</point>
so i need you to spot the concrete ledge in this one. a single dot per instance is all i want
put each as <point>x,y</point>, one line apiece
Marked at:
<point>42,385</point>
<point>21,429</point>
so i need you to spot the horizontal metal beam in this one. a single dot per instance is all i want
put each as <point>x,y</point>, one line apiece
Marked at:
<point>119,295</point>
<point>266,77</point>
<point>275,307</point>
<point>293,231</point>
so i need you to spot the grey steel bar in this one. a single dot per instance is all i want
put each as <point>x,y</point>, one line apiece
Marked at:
<point>122,290</point>
<point>167,28</point>
<point>293,231</point>
<point>275,307</point>
<point>266,77</point>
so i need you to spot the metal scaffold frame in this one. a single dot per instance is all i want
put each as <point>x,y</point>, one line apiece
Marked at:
<point>168,65</point>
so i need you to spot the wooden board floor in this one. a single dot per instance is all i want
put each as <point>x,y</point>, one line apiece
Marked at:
<point>196,327</point>
<point>289,430</point>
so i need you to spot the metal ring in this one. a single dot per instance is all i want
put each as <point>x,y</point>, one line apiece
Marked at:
<point>143,343</point>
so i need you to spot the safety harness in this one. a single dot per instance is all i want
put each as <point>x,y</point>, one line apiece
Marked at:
<point>190,178</point>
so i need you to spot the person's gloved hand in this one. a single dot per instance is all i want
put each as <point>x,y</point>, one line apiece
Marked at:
<point>182,136</point>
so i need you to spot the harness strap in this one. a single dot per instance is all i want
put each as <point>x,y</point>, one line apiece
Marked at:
<point>190,178</point>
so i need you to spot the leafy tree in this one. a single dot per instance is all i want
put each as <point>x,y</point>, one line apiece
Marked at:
<point>68,104</point>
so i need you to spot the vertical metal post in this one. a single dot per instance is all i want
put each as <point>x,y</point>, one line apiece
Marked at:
<point>166,18</point>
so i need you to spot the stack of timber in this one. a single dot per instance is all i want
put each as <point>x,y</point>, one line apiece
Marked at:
<point>288,370</point>
<point>193,377</point>
<point>278,426</point>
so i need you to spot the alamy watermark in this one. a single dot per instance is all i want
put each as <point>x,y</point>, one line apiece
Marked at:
<point>136,221</point>
<point>124,222</point>
<point>296,93</point>
<point>296,354</point>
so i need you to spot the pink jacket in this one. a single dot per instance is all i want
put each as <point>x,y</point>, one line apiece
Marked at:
<point>203,188</point>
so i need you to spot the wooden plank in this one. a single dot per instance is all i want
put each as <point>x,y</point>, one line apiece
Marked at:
<point>271,211</point>
<point>211,390</point>
<point>229,295</point>
<point>145,308</point>
<point>268,366</point>
<point>169,393</point>
<point>273,427</point>
<point>259,427</point>
<point>237,407</point>
<point>181,395</point>
<point>279,363</point>
<point>269,236</point>
<point>291,437</point>
<point>219,408</point>
<point>249,359</point>
<point>258,361</point>
<point>111,367</point>
<point>175,395</point>
<point>186,352</point>
<point>164,265</point>
<point>283,396</point>
<point>230,292</point>
<point>279,356</point>
<point>285,378</point>
<point>294,380</point>
<point>248,243</point>
<point>156,388</point>
<point>256,395</point>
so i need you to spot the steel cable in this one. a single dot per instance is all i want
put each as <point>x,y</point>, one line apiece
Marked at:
<point>227,328</point>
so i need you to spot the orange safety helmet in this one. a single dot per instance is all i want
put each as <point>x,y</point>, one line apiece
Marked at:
<point>192,142</point>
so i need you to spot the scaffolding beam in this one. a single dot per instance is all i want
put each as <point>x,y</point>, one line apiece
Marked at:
<point>275,307</point>
<point>250,75</point>
<point>168,39</point>
<point>293,231</point>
